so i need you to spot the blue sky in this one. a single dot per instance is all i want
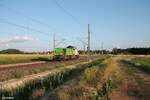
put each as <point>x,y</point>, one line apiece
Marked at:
<point>116,23</point>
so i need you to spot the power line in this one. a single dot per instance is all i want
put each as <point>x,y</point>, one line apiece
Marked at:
<point>65,11</point>
<point>28,17</point>
<point>83,42</point>
<point>7,33</point>
<point>21,26</point>
<point>62,41</point>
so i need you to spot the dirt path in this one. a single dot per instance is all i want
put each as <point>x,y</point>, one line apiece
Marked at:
<point>111,68</point>
<point>21,64</point>
<point>135,86</point>
<point>121,92</point>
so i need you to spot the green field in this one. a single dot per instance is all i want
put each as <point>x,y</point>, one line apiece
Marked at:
<point>50,82</point>
<point>108,77</point>
<point>142,60</point>
<point>21,58</point>
<point>142,63</point>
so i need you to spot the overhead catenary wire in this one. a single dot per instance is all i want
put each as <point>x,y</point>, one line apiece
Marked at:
<point>28,17</point>
<point>24,27</point>
<point>62,41</point>
<point>35,20</point>
<point>7,33</point>
<point>21,26</point>
<point>66,11</point>
<point>38,21</point>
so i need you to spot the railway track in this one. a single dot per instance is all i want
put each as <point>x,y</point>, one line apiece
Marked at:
<point>28,65</point>
<point>20,64</point>
<point>34,64</point>
<point>14,83</point>
<point>13,71</point>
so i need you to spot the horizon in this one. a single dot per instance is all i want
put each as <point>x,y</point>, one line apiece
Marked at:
<point>78,50</point>
<point>29,25</point>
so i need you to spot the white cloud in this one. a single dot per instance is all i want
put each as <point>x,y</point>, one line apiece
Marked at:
<point>22,39</point>
<point>16,39</point>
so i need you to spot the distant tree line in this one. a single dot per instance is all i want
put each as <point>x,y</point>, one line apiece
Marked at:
<point>11,51</point>
<point>137,51</point>
<point>16,51</point>
<point>95,52</point>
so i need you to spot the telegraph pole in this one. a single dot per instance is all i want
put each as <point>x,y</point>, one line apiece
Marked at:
<point>88,38</point>
<point>84,48</point>
<point>54,42</point>
<point>102,47</point>
<point>89,42</point>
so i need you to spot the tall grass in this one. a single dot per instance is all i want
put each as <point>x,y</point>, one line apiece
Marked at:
<point>29,90</point>
<point>91,85</point>
<point>20,72</point>
<point>140,63</point>
<point>20,58</point>
<point>109,85</point>
<point>87,86</point>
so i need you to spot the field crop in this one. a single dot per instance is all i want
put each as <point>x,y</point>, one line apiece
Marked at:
<point>85,88</point>
<point>114,78</point>
<point>109,82</point>
<point>21,58</point>
<point>92,84</point>
<point>36,87</point>
<point>19,71</point>
<point>136,79</point>
<point>142,63</point>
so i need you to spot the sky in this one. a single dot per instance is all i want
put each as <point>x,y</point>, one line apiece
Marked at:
<point>29,25</point>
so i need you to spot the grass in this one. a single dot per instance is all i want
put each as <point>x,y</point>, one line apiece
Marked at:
<point>137,70</point>
<point>87,85</point>
<point>21,58</point>
<point>141,63</point>
<point>36,88</point>
<point>20,72</point>
<point>92,84</point>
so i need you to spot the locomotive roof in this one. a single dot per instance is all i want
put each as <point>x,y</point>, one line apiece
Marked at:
<point>71,47</point>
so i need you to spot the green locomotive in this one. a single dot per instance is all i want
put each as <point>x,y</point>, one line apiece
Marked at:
<point>65,53</point>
